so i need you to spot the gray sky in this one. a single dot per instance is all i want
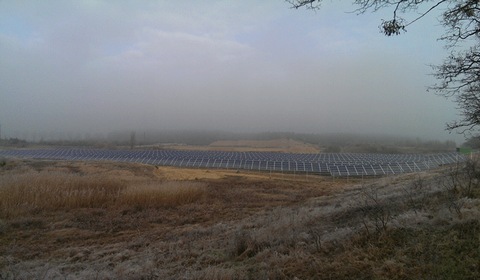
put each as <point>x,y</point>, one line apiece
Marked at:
<point>76,67</point>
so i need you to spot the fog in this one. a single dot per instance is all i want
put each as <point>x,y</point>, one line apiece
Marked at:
<point>72,68</point>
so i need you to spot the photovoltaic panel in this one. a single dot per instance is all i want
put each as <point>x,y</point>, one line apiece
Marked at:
<point>346,164</point>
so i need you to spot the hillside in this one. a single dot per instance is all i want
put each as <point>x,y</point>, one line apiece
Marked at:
<point>100,220</point>
<point>276,145</point>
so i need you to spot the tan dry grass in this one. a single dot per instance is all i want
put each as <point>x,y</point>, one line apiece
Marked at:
<point>189,174</point>
<point>152,195</point>
<point>47,191</point>
<point>35,192</point>
<point>276,145</point>
<point>279,145</point>
<point>192,174</point>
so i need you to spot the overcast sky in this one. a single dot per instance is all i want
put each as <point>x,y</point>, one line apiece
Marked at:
<point>76,67</point>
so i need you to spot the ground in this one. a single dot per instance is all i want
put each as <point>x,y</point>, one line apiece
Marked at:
<point>107,220</point>
<point>283,145</point>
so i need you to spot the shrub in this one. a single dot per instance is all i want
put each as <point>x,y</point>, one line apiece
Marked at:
<point>375,210</point>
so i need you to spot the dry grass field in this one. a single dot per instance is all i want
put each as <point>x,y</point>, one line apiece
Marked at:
<point>277,145</point>
<point>104,220</point>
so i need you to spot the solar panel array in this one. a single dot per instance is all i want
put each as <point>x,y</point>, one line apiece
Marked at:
<point>334,164</point>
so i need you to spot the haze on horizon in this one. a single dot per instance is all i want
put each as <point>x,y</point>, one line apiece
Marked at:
<point>76,67</point>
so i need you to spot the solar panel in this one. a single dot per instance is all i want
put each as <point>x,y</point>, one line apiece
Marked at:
<point>347,164</point>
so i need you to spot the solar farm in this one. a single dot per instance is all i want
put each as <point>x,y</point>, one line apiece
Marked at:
<point>328,164</point>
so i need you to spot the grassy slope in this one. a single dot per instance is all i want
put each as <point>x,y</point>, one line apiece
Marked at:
<point>130,221</point>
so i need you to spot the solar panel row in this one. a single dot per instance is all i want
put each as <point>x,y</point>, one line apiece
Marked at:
<point>348,164</point>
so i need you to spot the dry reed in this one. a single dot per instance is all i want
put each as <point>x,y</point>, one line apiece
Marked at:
<point>47,191</point>
<point>168,194</point>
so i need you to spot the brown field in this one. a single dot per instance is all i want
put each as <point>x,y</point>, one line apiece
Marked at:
<point>105,220</point>
<point>277,145</point>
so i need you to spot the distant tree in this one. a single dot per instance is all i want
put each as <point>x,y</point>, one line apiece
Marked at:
<point>132,139</point>
<point>459,75</point>
<point>473,143</point>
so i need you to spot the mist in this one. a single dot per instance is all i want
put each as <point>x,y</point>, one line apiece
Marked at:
<point>77,69</point>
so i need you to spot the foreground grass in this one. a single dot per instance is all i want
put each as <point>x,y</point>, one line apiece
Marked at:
<point>450,252</point>
<point>58,221</point>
